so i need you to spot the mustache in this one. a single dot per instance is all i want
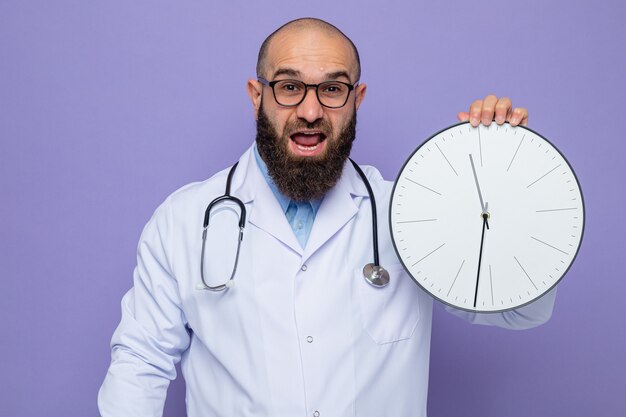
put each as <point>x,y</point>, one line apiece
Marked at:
<point>299,125</point>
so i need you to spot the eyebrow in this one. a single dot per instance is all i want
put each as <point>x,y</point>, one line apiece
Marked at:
<point>337,74</point>
<point>287,71</point>
<point>295,73</point>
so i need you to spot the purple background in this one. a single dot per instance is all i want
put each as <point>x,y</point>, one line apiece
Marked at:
<point>107,107</point>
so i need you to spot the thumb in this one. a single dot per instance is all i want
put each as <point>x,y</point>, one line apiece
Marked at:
<point>463,116</point>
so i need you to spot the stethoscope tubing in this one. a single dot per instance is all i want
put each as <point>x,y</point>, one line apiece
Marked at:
<point>374,274</point>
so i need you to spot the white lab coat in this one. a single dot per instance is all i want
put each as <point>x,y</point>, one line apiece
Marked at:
<point>300,334</point>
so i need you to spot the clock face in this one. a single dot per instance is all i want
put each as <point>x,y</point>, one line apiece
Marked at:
<point>486,219</point>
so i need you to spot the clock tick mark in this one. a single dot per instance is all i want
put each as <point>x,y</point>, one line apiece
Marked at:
<point>421,185</point>
<point>490,284</point>
<point>444,156</point>
<point>480,147</point>
<point>557,209</point>
<point>543,176</point>
<point>515,154</point>
<point>417,221</point>
<point>457,275</point>
<point>526,273</point>
<point>547,244</point>
<point>428,254</point>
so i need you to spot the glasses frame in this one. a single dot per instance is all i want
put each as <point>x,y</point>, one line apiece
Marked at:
<point>306,90</point>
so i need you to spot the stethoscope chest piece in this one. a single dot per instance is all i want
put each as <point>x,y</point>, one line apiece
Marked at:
<point>376,275</point>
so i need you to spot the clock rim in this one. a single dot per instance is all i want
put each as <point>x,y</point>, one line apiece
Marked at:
<point>395,247</point>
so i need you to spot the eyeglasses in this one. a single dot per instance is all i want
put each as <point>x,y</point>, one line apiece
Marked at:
<point>289,93</point>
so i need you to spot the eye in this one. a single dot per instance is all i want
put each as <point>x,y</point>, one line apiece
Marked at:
<point>289,86</point>
<point>333,88</point>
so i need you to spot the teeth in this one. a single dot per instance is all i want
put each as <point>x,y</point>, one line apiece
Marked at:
<point>307,148</point>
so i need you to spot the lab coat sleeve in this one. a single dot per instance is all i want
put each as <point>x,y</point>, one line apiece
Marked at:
<point>152,334</point>
<point>531,315</point>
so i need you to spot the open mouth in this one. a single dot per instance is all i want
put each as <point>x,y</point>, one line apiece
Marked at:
<point>308,141</point>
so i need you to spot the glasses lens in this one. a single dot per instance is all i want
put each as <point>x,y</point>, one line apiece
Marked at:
<point>333,93</point>
<point>289,92</point>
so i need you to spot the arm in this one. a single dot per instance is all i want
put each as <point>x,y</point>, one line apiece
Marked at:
<point>151,335</point>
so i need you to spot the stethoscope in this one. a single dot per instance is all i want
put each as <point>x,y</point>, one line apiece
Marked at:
<point>373,273</point>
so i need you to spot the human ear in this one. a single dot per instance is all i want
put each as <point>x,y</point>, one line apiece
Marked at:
<point>360,91</point>
<point>255,88</point>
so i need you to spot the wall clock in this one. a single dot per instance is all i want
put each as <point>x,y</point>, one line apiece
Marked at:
<point>487,219</point>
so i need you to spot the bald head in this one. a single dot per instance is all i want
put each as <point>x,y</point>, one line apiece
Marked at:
<point>298,27</point>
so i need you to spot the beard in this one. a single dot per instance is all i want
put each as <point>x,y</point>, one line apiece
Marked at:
<point>304,178</point>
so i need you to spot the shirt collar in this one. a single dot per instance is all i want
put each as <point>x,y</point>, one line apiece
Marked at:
<point>282,199</point>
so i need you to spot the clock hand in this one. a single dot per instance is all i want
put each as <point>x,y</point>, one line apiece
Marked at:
<point>480,195</point>
<point>480,256</point>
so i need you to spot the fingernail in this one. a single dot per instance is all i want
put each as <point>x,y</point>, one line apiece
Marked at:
<point>474,121</point>
<point>499,120</point>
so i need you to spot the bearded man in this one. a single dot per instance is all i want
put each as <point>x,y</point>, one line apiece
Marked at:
<point>301,333</point>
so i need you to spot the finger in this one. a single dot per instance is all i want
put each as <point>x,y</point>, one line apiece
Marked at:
<point>488,110</point>
<point>463,116</point>
<point>519,115</point>
<point>475,109</point>
<point>503,107</point>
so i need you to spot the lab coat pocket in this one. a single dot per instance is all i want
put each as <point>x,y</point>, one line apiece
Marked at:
<point>391,313</point>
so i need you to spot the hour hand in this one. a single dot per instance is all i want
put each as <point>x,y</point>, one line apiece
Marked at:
<point>480,195</point>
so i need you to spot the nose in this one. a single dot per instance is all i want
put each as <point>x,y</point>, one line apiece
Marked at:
<point>310,109</point>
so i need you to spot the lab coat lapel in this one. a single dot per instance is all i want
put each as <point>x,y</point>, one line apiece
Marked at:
<point>265,212</point>
<point>339,206</point>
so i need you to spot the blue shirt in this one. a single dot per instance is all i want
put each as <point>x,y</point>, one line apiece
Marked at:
<point>300,215</point>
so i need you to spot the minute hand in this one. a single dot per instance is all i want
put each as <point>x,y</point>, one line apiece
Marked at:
<point>480,255</point>
<point>480,195</point>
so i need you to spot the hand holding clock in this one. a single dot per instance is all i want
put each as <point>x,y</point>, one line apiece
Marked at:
<point>502,108</point>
